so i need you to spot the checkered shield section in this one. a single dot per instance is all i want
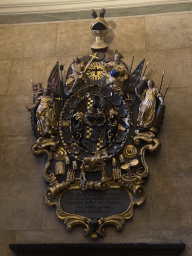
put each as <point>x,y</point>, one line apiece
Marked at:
<point>89,131</point>
<point>90,103</point>
<point>99,144</point>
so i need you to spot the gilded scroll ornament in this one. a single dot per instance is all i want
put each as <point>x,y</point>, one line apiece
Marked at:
<point>94,129</point>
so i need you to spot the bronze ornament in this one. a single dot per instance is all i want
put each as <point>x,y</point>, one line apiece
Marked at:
<point>94,129</point>
<point>130,151</point>
<point>60,153</point>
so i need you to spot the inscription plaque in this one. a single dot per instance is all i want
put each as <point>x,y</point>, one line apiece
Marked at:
<point>95,204</point>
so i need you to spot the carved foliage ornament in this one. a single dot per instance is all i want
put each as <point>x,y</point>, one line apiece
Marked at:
<point>95,129</point>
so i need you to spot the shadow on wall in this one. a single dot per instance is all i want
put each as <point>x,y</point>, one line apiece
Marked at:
<point>110,35</point>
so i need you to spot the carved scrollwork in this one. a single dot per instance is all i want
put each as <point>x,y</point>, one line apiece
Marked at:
<point>53,191</point>
<point>115,221</point>
<point>46,146</point>
<point>154,146</point>
<point>139,191</point>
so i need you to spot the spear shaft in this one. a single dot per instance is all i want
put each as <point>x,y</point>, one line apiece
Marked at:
<point>145,69</point>
<point>132,64</point>
<point>162,80</point>
<point>165,93</point>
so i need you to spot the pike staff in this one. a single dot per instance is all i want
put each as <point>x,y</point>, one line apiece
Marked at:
<point>131,64</point>
<point>162,80</point>
<point>165,93</point>
<point>145,68</point>
<point>166,90</point>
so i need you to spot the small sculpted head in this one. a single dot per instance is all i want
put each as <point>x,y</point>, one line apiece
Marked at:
<point>151,84</point>
<point>117,58</point>
<point>76,60</point>
<point>46,92</point>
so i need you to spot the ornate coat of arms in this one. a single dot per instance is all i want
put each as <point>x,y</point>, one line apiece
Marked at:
<point>95,129</point>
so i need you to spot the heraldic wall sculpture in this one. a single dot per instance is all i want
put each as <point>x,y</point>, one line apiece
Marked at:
<point>95,129</point>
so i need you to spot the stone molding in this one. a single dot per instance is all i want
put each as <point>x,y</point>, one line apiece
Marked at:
<point>144,249</point>
<point>8,7</point>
